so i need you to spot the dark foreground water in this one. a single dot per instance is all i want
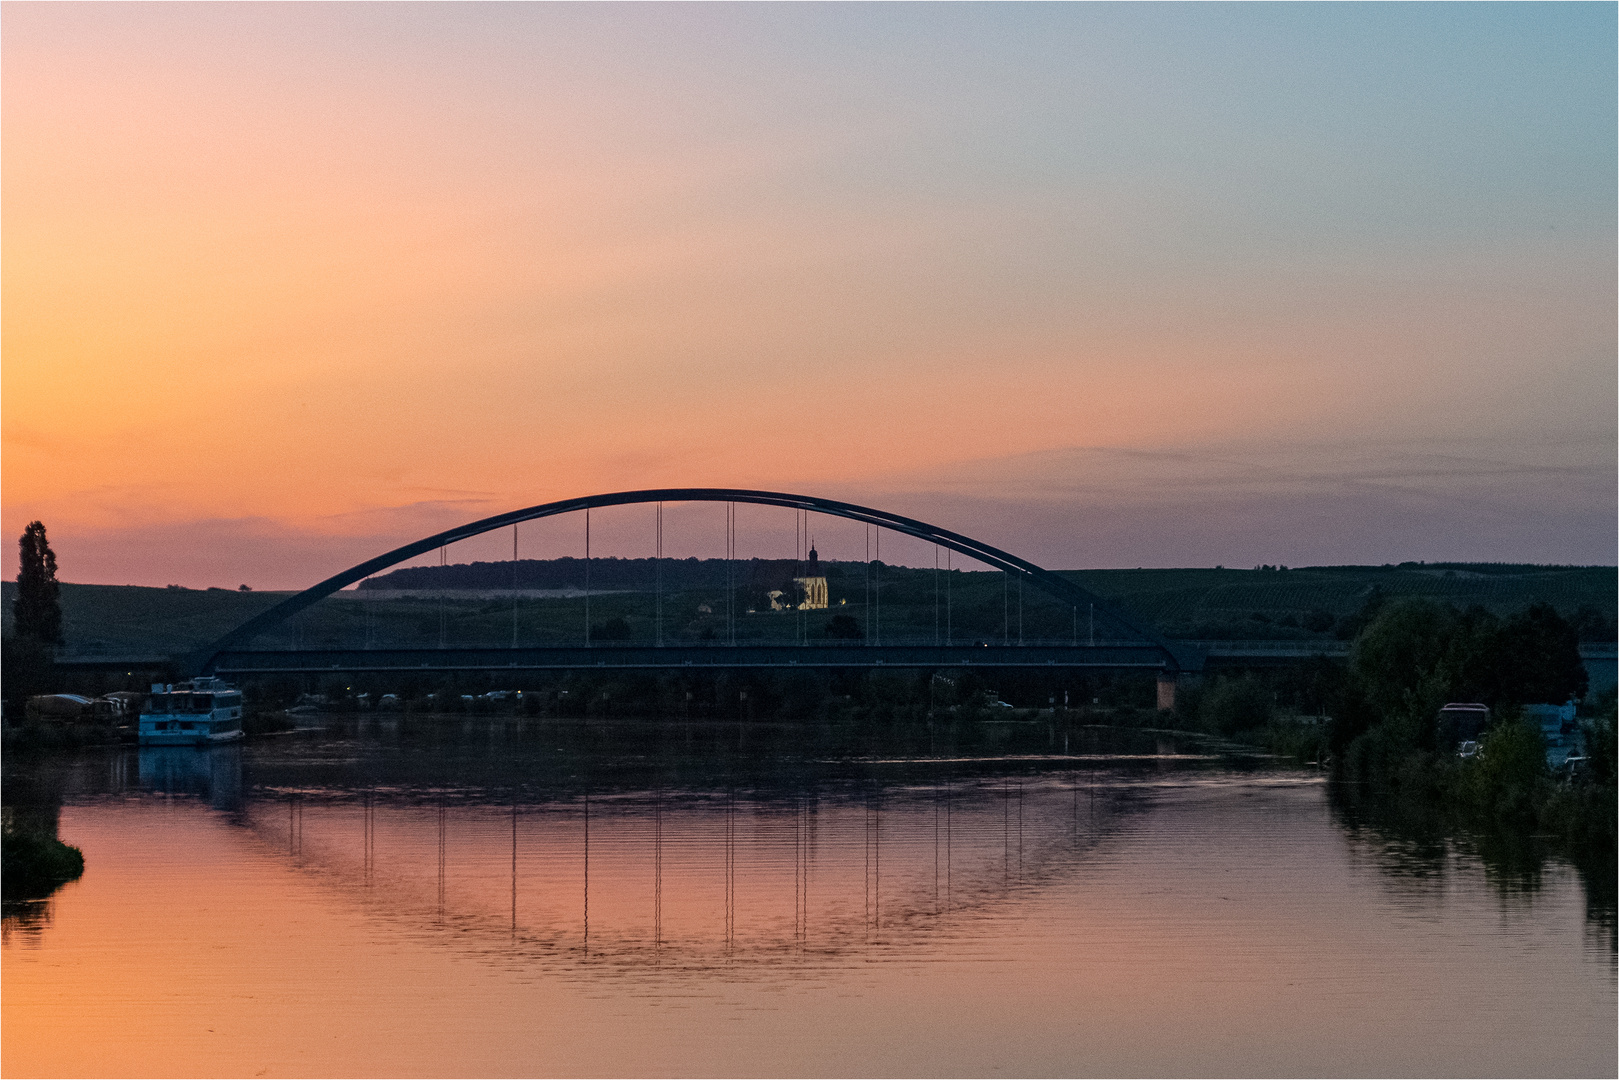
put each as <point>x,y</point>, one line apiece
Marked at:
<point>450,897</point>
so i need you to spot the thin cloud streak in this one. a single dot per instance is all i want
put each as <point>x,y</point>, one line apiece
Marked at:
<point>1552,500</point>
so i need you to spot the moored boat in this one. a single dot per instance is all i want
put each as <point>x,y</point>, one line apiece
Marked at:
<point>194,713</point>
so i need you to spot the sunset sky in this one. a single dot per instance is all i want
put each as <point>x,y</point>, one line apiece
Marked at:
<point>287,285</point>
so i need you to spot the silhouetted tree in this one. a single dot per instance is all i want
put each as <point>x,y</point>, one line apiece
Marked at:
<point>1404,658</point>
<point>614,629</point>
<point>1350,626</point>
<point>844,626</point>
<point>1240,704</point>
<point>1416,655</point>
<point>37,612</point>
<point>1536,658</point>
<point>29,669</point>
<point>1592,625</point>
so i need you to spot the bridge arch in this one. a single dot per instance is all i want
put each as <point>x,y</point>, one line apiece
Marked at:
<point>1045,580</point>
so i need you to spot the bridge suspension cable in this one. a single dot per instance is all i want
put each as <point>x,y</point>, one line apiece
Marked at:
<point>587,577</point>
<point>866,609</point>
<point>730,571</point>
<point>658,570</point>
<point>1124,628</point>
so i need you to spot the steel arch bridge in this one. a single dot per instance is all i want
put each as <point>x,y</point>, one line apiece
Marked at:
<point>1137,647</point>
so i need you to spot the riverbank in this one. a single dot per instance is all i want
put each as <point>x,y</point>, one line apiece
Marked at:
<point>38,736</point>
<point>1504,787</point>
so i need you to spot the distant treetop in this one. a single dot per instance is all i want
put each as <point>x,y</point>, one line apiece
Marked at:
<point>37,611</point>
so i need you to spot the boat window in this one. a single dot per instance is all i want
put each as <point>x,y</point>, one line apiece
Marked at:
<point>158,703</point>
<point>185,726</point>
<point>201,702</point>
<point>228,699</point>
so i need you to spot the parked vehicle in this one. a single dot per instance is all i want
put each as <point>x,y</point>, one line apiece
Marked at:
<point>127,702</point>
<point>63,708</point>
<point>1462,722</point>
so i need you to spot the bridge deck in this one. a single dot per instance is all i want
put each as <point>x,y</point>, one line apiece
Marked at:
<point>1195,656</point>
<point>238,662</point>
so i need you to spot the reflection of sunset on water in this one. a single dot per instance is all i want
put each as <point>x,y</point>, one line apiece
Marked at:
<point>1168,917</point>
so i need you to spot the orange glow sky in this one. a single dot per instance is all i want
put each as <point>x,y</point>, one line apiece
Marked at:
<point>284,286</point>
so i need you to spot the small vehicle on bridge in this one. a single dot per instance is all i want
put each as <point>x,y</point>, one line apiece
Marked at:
<point>194,713</point>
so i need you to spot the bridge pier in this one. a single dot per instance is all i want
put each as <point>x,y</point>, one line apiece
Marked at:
<point>1169,682</point>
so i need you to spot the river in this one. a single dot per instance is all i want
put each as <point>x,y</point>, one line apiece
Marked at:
<point>503,897</point>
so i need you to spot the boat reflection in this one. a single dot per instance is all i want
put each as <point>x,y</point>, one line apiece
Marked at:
<point>210,772</point>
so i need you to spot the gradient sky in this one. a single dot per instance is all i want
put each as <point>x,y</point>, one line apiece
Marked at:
<point>286,285</point>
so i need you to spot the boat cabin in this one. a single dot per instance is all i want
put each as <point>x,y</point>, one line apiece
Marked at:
<point>203,710</point>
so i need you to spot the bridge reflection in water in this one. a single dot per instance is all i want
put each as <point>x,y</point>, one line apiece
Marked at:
<point>692,877</point>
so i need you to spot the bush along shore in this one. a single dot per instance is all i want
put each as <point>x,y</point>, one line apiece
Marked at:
<point>1375,724</point>
<point>33,862</point>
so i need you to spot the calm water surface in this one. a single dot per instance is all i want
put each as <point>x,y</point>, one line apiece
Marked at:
<point>452,897</point>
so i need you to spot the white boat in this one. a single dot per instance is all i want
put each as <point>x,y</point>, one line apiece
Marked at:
<point>194,713</point>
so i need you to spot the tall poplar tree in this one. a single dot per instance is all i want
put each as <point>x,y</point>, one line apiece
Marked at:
<point>37,612</point>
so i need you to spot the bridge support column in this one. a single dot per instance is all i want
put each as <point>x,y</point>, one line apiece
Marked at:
<point>1168,683</point>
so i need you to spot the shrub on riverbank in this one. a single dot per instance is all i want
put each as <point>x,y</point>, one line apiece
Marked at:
<point>1376,719</point>
<point>33,862</point>
<point>1506,781</point>
<point>1414,657</point>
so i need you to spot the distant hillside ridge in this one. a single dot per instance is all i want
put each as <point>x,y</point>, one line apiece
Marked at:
<point>633,575</point>
<point>1274,601</point>
<point>1305,604</point>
